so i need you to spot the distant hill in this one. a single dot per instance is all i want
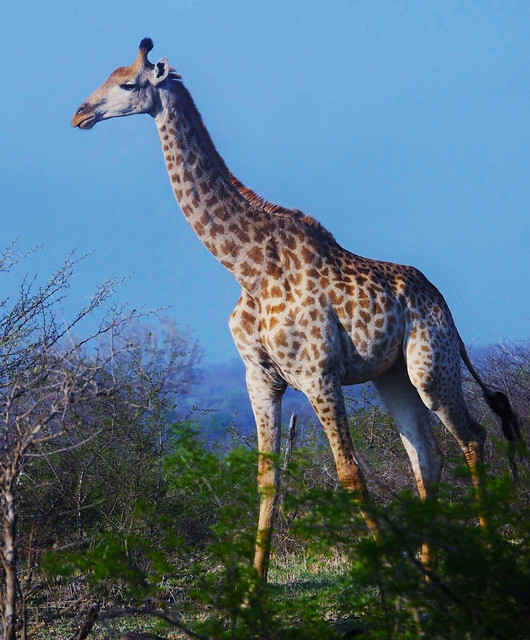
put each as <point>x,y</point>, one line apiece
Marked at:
<point>222,400</point>
<point>221,396</point>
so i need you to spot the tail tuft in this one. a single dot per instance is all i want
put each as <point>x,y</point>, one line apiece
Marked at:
<point>500,404</point>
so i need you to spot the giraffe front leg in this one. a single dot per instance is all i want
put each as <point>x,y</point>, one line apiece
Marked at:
<point>268,490</point>
<point>265,396</point>
<point>326,398</point>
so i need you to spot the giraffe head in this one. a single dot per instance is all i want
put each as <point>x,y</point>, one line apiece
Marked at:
<point>128,90</point>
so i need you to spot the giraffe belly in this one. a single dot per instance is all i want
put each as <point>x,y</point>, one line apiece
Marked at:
<point>302,351</point>
<point>363,360</point>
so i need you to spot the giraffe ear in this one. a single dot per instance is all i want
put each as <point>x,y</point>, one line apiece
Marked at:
<point>160,71</point>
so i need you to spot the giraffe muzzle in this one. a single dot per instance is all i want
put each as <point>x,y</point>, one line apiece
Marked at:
<point>85,118</point>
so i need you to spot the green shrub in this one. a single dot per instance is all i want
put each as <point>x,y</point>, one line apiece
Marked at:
<point>479,588</point>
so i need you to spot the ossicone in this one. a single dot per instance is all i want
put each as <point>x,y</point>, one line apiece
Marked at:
<point>146,45</point>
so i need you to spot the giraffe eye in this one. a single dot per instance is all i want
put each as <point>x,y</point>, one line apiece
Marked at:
<point>128,86</point>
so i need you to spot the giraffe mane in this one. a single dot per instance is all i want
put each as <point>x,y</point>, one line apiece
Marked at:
<point>248,194</point>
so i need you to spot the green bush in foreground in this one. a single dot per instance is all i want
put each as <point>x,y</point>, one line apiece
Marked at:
<point>199,579</point>
<point>480,587</point>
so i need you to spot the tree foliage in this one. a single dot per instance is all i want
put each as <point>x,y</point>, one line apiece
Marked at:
<point>80,423</point>
<point>117,506</point>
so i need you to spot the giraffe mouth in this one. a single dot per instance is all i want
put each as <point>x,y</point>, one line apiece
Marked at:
<point>84,122</point>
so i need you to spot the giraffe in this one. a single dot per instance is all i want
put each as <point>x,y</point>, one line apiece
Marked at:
<point>311,314</point>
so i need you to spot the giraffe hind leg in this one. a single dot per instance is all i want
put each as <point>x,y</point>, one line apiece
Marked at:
<point>413,423</point>
<point>470,436</point>
<point>412,420</point>
<point>441,391</point>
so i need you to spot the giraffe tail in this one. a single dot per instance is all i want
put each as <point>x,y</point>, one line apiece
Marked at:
<point>497,402</point>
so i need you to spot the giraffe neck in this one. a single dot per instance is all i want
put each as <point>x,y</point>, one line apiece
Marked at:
<point>232,222</point>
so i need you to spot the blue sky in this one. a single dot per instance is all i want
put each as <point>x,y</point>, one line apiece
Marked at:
<point>404,127</point>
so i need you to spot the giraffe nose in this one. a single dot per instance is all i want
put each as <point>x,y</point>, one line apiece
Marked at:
<point>84,117</point>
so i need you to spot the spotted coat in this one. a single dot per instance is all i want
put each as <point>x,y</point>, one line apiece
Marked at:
<point>311,314</point>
